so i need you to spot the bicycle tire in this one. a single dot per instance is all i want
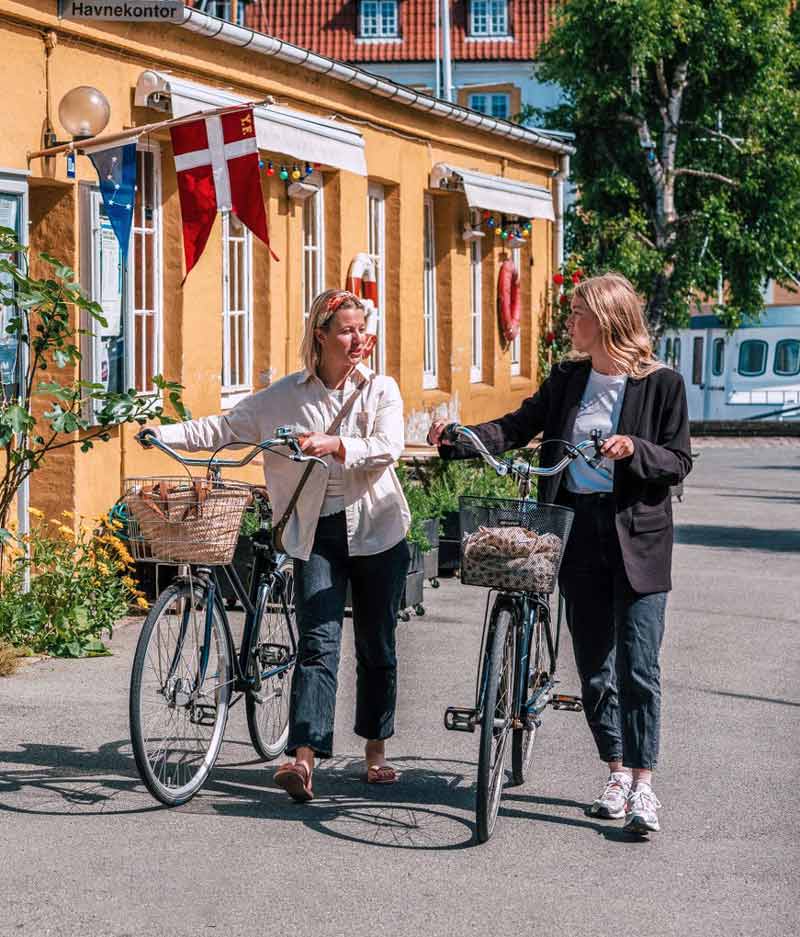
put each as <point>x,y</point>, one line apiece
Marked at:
<point>522,741</point>
<point>497,707</point>
<point>178,767</point>
<point>268,713</point>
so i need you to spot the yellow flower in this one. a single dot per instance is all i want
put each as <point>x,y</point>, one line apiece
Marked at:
<point>67,514</point>
<point>103,569</point>
<point>66,531</point>
<point>117,525</point>
<point>35,512</point>
<point>129,581</point>
<point>142,603</point>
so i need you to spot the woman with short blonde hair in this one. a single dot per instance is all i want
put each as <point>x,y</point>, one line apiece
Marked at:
<point>348,525</point>
<point>616,570</point>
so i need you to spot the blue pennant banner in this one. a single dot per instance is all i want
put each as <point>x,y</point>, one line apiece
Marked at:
<point>116,170</point>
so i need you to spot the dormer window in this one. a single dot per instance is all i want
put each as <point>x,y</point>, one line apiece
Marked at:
<point>488,18</point>
<point>378,19</point>
<point>222,9</point>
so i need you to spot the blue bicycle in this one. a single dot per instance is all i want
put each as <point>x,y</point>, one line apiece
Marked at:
<point>514,547</point>
<point>186,669</point>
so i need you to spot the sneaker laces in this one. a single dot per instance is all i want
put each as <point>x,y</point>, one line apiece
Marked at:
<point>616,782</point>
<point>643,799</point>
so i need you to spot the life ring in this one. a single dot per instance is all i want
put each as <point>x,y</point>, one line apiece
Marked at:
<point>362,280</point>
<point>509,303</point>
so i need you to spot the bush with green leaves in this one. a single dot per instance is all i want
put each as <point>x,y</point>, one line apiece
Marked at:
<point>80,585</point>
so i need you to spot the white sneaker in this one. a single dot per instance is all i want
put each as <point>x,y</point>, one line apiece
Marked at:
<point>610,805</point>
<point>641,808</point>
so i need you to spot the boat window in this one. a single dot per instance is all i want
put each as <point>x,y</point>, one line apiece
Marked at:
<point>787,357</point>
<point>697,360</point>
<point>718,357</point>
<point>752,358</point>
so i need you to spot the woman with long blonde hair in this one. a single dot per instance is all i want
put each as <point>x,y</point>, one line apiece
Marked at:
<point>348,525</point>
<point>616,571</point>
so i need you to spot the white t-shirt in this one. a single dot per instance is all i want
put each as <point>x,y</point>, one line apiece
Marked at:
<point>334,490</point>
<point>599,409</point>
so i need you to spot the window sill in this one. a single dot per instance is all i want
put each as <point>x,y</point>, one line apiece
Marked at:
<point>504,38</point>
<point>430,382</point>
<point>386,40</point>
<point>231,398</point>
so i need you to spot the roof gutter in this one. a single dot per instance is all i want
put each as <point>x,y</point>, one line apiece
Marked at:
<point>244,38</point>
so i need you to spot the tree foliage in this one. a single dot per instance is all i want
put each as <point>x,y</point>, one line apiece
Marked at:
<point>686,115</point>
<point>48,408</point>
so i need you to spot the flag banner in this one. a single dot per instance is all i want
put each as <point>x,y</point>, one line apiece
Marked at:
<point>116,171</point>
<point>216,161</point>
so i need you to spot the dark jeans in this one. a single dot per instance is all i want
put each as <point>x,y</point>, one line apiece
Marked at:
<point>616,636</point>
<point>320,587</point>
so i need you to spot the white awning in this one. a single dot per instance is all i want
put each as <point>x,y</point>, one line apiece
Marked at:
<point>495,193</point>
<point>278,129</point>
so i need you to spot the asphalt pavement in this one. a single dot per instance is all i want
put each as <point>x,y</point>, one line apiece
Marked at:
<point>88,853</point>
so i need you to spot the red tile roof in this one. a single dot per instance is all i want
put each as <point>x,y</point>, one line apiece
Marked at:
<point>330,27</point>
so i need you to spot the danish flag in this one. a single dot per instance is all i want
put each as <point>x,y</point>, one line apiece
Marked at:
<point>216,161</point>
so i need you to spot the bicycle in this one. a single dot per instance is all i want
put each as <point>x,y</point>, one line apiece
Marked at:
<point>186,668</point>
<point>519,647</point>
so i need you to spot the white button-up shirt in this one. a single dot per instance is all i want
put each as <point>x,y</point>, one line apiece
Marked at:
<point>372,436</point>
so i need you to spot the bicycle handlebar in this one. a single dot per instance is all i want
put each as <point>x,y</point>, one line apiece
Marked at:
<point>523,469</point>
<point>283,437</point>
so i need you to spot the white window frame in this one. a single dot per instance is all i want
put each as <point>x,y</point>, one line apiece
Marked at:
<point>235,248</point>
<point>376,235</point>
<point>157,313</point>
<point>476,310</point>
<point>14,184</point>
<point>493,13</point>
<point>380,19</point>
<point>430,368</point>
<point>516,344</point>
<point>92,277</point>
<point>313,249</point>
<point>222,9</point>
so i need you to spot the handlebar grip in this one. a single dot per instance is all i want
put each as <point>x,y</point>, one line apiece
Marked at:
<point>449,433</point>
<point>143,437</point>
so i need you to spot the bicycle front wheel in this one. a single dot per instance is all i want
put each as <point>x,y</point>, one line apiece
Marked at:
<point>495,724</point>
<point>273,652</point>
<point>180,693</point>
<point>537,674</point>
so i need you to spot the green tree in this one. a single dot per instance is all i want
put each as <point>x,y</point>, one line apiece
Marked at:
<point>48,408</point>
<point>686,115</point>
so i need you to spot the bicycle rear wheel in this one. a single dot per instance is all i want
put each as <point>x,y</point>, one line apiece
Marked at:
<point>178,709</point>
<point>523,739</point>
<point>495,724</point>
<point>268,706</point>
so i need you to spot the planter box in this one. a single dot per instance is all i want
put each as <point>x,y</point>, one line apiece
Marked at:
<point>412,591</point>
<point>450,543</point>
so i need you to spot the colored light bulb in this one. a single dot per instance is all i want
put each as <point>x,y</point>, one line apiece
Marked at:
<point>270,169</point>
<point>284,173</point>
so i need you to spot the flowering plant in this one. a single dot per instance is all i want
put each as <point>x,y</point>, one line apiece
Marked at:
<point>554,340</point>
<point>80,584</point>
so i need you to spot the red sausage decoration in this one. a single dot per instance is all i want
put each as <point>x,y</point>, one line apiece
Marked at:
<point>508,300</point>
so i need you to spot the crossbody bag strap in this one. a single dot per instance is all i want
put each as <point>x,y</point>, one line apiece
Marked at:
<point>332,429</point>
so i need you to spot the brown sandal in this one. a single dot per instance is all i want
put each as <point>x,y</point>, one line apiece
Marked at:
<point>295,779</point>
<point>381,774</point>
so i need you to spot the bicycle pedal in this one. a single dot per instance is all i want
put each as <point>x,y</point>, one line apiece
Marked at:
<point>204,715</point>
<point>460,720</point>
<point>570,703</point>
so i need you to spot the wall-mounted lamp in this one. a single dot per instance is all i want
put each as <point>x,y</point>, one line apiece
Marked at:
<point>84,112</point>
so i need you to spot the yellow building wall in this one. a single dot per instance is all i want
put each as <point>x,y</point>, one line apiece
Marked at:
<point>401,147</point>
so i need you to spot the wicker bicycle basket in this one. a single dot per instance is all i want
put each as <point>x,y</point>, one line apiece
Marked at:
<point>184,520</point>
<point>513,545</point>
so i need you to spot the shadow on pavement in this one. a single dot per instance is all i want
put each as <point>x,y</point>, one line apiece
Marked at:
<point>747,696</point>
<point>738,538</point>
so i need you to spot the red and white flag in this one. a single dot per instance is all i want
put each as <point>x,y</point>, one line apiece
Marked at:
<point>216,160</point>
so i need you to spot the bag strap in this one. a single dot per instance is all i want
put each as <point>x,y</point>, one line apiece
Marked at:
<point>340,418</point>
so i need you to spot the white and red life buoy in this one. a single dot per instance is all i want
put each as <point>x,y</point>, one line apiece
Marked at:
<point>362,280</point>
<point>509,303</point>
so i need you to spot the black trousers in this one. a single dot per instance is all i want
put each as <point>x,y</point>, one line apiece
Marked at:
<point>616,636</point>
<point>320,588</point>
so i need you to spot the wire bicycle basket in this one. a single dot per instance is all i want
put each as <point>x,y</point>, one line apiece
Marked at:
<point>180,519</point>
<point>511,544</point>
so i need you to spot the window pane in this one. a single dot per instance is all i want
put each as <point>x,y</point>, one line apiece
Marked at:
<point>752,358</point>
<point>369,19</point>
<point>718,356</point>
<point>697,360</point>
<point>787,357</point>
<point>499,24</point>
<point>478,103</point>
<point>676,354</point>
<point>500,105</point>
<point>480,17</point>
<point>389,18</point>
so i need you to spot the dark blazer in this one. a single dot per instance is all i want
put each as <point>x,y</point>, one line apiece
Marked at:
<point>655,415</point>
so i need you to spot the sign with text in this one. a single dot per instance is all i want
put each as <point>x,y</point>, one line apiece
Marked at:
<point>137,11</point>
